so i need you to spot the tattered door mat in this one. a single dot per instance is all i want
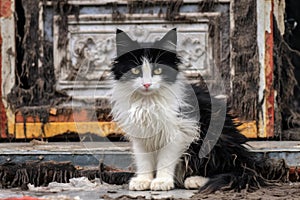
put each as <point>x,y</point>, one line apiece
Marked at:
<point>38,173</point>
<point>32,174</point>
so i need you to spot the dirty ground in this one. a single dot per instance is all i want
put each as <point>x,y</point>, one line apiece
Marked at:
<point>95,191</point>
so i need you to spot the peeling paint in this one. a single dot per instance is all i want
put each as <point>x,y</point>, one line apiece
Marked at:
<point>279,13</point>
<point>269,68</point>
<point>7,41</point>
<point>244,60</point>
<point>6,8</point>
<point>3,119</point>
<point>268,11</point>
<point>269,94</point>
<point>261,47</point>
<point>265,40</point>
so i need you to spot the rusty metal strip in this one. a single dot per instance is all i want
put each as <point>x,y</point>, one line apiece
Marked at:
<point>265,40</point>
<point>269,70</point>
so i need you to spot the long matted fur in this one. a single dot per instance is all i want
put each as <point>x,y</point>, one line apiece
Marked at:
<point>148,102</point>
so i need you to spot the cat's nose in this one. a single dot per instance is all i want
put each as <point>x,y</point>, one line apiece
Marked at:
<point>147,85</point>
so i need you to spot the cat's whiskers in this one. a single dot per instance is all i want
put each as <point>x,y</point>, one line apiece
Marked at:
<point>158,56</point>
<point>134,56</point>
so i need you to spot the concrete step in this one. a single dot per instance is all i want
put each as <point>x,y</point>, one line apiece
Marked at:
<point>119,154</point>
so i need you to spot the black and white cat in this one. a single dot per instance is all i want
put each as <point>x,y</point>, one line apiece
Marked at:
<point>148,100</point>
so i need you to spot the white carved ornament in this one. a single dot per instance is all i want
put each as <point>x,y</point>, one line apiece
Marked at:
<point>92,54</point>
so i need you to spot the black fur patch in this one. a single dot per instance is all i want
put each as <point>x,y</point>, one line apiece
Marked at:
<point>229,165</point>
<point>130,54</point>
<point>157,57</point>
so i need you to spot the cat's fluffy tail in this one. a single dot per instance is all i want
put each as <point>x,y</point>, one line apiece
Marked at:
<point>230,165</point>
<point>267,172</point>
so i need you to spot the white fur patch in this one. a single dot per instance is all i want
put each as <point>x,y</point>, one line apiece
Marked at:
<point>158,130</point>
<point>147,70</point>
<point>162,184</point>
<point>195,182</point>
<point>140,183</point>
<point>153,119</point>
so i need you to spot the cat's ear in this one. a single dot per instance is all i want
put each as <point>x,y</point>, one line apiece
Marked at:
<point>124,43</point>
<point>169,41</point>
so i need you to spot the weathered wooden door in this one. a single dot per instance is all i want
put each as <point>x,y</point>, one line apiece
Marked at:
<point>56,62</point>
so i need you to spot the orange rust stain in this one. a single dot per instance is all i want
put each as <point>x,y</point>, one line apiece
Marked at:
<point>294,172</point>
<point>269,63</point>
<point>269,71</point>
<point>5,8</point>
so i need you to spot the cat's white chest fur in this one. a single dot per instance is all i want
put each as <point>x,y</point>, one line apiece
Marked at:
<point>154,123</point>
<point>158,131</point>
<point>154,120</point>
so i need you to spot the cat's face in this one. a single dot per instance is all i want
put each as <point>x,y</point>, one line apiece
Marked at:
<point>146,68</point>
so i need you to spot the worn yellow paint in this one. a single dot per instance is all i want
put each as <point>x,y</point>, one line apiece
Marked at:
<point>10,122</point>
<point>103,129</point>
<point>35,130</point>
<point>249,129</point>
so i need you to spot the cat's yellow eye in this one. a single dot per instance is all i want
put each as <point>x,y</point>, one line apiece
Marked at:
<point>135,71</point>
<point>157,71</point>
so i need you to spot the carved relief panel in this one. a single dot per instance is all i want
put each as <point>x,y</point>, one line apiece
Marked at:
<point>83,68</point>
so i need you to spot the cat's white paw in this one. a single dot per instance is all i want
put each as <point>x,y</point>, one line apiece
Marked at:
<point>195,182</point>
<point>162,184</point>
<point>140,183</point>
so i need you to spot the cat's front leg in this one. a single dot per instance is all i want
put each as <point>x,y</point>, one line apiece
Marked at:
<point>144,168</point>
<point>163,182</point>
<point>166,162</point>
